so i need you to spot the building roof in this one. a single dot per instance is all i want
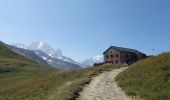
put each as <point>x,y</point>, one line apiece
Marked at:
<point>123,49</point>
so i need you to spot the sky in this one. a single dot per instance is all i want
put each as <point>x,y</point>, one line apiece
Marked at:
<point>85,28</point>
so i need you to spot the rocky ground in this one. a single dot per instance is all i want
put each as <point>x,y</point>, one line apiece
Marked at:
<point>103,87</point>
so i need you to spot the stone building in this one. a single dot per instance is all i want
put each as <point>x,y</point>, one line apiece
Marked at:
<point>116,55</point>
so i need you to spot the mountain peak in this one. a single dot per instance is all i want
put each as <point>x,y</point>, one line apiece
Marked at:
<point>40,44</point>
<point>91,61</point>
<point>98,58</point>
<point>46,48</point>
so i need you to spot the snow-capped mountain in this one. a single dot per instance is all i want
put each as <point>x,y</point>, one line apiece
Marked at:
<point>57,63</point>
<point>29,54</point>
<point>46,48</point>
<point>91,61</point>
<point>98,59</point>
<point>47,53</point>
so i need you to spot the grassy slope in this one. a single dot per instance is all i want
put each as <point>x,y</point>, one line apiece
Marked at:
<point>10,59</point>
<point>56,85</point>
<point>34,82</point>
<point>26,73</point>
<point>149,78</point>
<point>72,82</point>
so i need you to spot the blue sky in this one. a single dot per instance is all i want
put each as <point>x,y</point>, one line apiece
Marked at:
<point>85,28</point>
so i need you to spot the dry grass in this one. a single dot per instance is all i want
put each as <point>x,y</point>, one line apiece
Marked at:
<point>149,78</point>
<point>31,81</point>
<point>47,85</point>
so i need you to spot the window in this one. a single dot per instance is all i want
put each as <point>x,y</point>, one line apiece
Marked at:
<point>112,56</point>
<point>107,56</point>
<point>117,55</point>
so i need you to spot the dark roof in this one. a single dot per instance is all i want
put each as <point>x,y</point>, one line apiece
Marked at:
<point>123,49</point>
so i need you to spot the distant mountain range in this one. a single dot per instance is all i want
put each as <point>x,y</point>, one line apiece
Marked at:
<point>29,54</point>
<point>54,57</point>
<point>55,62</point>
<point>91,61</point>
<point>11,61</point>
<point>42,52</point>
<point>46,48</point>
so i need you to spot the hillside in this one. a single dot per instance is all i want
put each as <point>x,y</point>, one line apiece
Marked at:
<point>17,71</point>
<point>12,60</point>
<point>52,85</point>
<point>29,81</point>
<point>149,78</point>
<point>29,54</point>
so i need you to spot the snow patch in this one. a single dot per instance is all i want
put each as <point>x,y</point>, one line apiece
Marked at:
<point>66,60</point>
<point>91,61</point>
<point>40,45</point>
<point>50,54</point>
<point>19,45</point>
<point>37,53</point>
<point>44,57</point>
<point>52,51</point>
<point>98,59</point>
<point>50,60</point>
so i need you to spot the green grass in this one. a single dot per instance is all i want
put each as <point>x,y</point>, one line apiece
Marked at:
<point>149,78</point>
<point>53,85</point>
<point>25,74</point>
<point>10,59</point>
<point>30,81</point>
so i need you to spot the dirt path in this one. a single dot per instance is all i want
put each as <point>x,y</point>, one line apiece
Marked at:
<point>103,87</point>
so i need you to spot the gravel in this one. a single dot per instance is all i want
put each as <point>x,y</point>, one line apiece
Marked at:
<point>103,87</point>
